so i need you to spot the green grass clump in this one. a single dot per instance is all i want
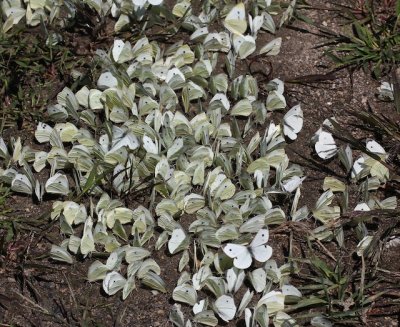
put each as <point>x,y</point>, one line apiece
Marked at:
<point>373,41</point>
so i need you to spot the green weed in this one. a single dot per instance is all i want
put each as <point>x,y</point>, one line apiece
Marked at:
<point>373,42</point>
<point>29,68</point>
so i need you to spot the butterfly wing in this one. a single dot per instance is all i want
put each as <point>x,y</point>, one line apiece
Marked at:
<point>375,147</point>
<point>240,253</point>
<point>262,252</point>
<point>260,238</point>
<point>177,238</point>
<point>155,2</point>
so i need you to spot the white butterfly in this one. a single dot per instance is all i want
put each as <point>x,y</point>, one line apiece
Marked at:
<point>121,51</point>
<point>375,147</point>
<point>113,282</point>
<point>362,207</point>
<point>199,34</point>
<point>21,184</point>
<point>325,145</point>
<point>255,24</point>
<point>149,145</point>
<point>57,184</point>
<point>225,307</point>
<point>107,80</point>
<point>244,45</point>
<point>243,255</point>
<point>43,132</point>
<point>272,48</point>
<point>235,279</point>
<point>291,184</point>
<point>235,21</point>
<point>177,239</point>
<point>293,122</point>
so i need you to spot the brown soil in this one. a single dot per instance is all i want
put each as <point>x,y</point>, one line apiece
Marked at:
<point>36,291</point>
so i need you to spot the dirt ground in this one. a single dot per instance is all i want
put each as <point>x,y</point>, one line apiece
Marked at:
<point>36,291</point>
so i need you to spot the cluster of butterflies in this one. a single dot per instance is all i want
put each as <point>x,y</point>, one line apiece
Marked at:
<point>370,163</point>
<point>369,170</point>
<point>33,12</point>
<point>36,11</point>
<point>147,139</point>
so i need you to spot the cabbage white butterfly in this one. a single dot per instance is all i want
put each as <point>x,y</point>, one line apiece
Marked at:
<point>235,21</point>
<point>177,241</point>
<point>244,45</point>
<point>274,300</point>
<point>106,80</point>
<point>272,48</point>
<point>199,307</point>
<point>21,184</point>
<point>60,254</point>
<point>293,122</point>
<point>185,293</point>
<point>87,241</point>
<point>292,183</point>
<point>175,78</point>
<point>255,24</point>
<point>149,145</point>
<point>325,145</point>
<point>199,34</point>
<point>113,282</point>
<point>258,279</point>
<point>121,51</point>
<point>43,132</point>
<point>141,3</point>
<point>235,278</point>
<point>57,184</point>
<point>225,307</point>
<point>375,147</point>
<point>242,255</point>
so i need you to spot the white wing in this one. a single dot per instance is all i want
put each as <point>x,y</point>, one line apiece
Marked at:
<point>113,282</point>
<point>155,2</point>
<point>177,237</point>
<point>237,13</point>
<point>262,252</point>
<point>292,183</point>
<point>231,279</point>
<point>235,21</point>
<point>260,238</point>
<point>375,147</point>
